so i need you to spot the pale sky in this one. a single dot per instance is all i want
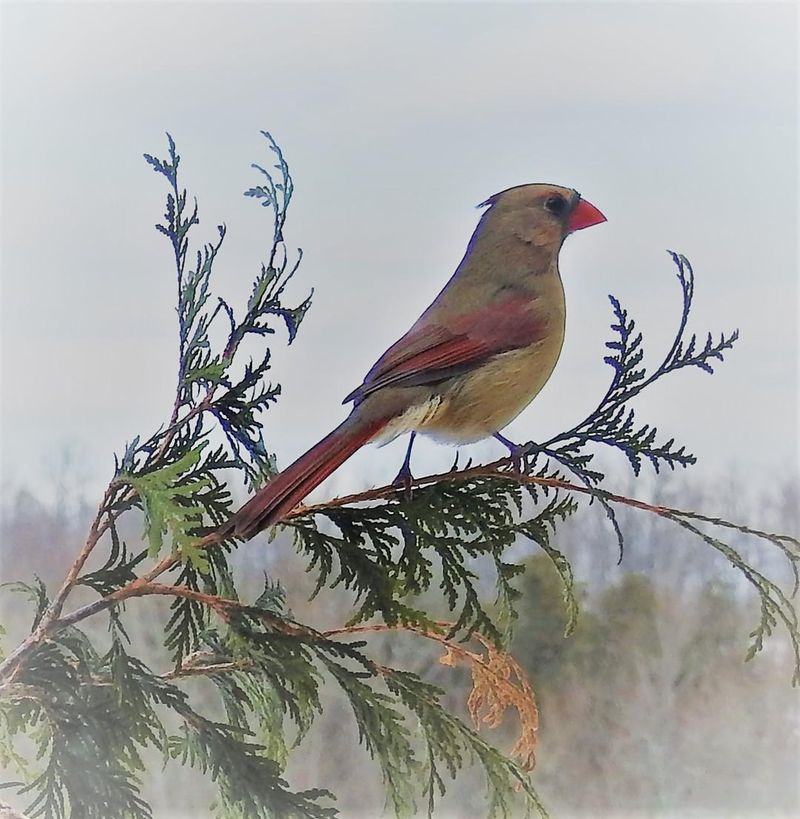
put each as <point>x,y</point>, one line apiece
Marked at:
<point>679,121</point>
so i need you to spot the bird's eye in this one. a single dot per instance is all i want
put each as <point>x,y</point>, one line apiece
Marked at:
<point>555,204</point>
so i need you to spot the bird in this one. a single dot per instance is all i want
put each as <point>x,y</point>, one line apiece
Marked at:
<point>475,358</point>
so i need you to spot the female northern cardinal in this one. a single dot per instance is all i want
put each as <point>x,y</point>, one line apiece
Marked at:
<point>472,361</point>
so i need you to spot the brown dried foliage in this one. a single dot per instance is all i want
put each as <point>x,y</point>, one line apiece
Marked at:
<point>499,683</point>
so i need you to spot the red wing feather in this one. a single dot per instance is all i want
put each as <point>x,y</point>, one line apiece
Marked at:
<point>433,352</point>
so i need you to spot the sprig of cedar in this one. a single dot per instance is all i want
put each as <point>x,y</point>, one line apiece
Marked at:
<point>613,423</point>
<point>97,711</point>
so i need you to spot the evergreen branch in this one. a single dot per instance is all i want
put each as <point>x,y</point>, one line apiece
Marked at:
<point>224,607</point>
<point>498,681</point>
<point>612,423</point>
<point>94,712</point>
<point>447,738</point>
<point>775,605</point>
<point>497,470</point>
<point>169,446</point>
<point>498,685</point>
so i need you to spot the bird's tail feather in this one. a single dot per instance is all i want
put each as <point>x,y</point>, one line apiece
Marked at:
<point>287,489</point>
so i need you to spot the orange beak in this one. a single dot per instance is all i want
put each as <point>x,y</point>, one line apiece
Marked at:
<point>584,215</point>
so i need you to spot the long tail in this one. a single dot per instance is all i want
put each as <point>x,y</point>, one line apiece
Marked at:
<point>287,489</point>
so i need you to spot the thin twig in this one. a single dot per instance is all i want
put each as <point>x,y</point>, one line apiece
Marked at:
<point>96,531</point>
<point>212,668</point>
<point>175,423</point>
<point>491,470</point>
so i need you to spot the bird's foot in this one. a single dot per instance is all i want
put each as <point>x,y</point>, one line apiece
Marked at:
<point>518,453</point>
<point>404,480</point>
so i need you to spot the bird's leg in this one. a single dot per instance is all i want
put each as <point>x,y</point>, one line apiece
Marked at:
<point>518,451</point>
<point>404,476</point>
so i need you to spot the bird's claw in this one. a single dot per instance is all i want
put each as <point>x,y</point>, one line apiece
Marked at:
<point>404,480</point>
<point>519,457</point>
<point>518,454</point>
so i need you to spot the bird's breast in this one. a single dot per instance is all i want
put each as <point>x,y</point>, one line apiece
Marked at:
<point>476,405</point>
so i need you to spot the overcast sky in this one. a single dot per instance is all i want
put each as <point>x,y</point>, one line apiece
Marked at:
<point>679,121</point>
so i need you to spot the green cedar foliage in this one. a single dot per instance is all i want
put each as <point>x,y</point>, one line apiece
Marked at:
<point>86,718</point>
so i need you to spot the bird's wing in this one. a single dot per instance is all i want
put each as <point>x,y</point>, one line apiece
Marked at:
<point>430,352</point>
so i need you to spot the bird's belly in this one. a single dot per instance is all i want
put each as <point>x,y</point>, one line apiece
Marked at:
<point>478,404</point>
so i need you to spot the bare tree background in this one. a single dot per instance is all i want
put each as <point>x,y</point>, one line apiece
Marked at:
<point>649,704</point>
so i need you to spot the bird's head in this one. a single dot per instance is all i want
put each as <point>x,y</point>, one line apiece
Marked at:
<point>543,215</point>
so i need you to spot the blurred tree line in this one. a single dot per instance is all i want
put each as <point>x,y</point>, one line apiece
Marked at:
<point>648,705</point>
